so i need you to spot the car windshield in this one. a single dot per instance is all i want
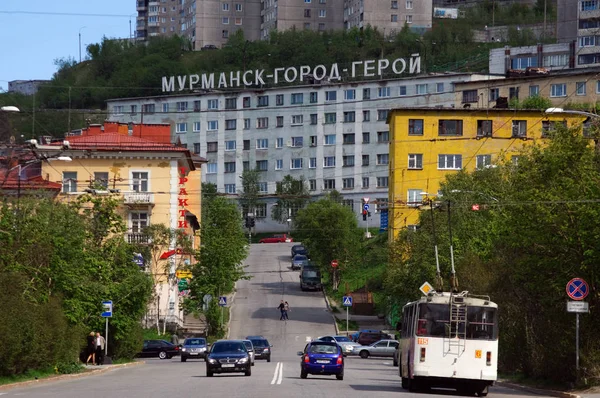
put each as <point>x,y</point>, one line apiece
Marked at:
<point>260,343</point>
<point>195,342</point>
<point>310,274</point>
<point>323,349</point>
<point>299,257</point>
<point>248,345</point>
<point>228,347</point>
<point>342,339</point>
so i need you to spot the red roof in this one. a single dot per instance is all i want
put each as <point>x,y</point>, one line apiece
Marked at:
<point>11,182</point>
<point>118,142</point>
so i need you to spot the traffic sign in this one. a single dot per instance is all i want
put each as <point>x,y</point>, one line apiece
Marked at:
<point>106,309</point>
<point>578,306</point>
<point>183,274</point>
<point>334,263</point>
<point>366,207</point>
<point>347,301</point>
<point>366,200</point>
<point>222,301</point>
<point>426,288</point>
<point>577,289</point>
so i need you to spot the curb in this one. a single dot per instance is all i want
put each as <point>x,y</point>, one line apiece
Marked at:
<point>337,331</point>
<point>230,307</point>
<point>69,376</point>
<point>538,391</point>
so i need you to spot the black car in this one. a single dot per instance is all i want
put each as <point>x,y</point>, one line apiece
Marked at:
<point>159,348</point>
<point>299,249</point>
<point>194,348</point>
<point>262,348</point>
<point>228,356</point>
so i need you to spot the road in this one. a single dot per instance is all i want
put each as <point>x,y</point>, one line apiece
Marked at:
<point>253,312</point>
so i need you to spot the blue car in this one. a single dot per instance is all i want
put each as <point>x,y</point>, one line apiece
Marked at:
<point>322,358</point>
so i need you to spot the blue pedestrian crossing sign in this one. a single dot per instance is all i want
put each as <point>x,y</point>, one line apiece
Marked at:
<point>222,301</point>
<point>347,301</point>
<point>106,309</point>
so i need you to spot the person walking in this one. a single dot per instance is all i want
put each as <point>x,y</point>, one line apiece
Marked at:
<point>286,309</point>
<point>91,348</point>
<point>281,308</point>
<point>100,342</point>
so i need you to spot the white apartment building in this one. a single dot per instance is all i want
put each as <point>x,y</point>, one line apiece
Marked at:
<point>334,135</point>
<point>389,16</point>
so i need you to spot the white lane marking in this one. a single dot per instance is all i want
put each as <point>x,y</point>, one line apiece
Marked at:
<point>280,374</point>
<point>308,339</point>
<point>276,374</point>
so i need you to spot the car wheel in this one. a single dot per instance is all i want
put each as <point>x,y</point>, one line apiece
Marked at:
<point>303,374</point>
<point>183,359</point>
<point>269,358</point>
<point>252,364</point>
<point>162,355</point>
<point>483,392</point>
<point>340,376</point>
<point>248,371</point>
<point>209,373</point>
<point>364,354</point>
<point>395,363</point>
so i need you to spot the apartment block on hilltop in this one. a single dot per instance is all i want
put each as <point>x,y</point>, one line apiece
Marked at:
<point>389,16</point>
<point>579,21</point>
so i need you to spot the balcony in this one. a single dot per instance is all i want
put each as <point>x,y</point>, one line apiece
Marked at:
<point>137,238</point>
<point>138,198</point>
<point>141,6</point>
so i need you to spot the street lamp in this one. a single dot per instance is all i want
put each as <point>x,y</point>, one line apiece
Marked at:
<point>574,112</point>
<point>9,109</point>
<point>25,165</point>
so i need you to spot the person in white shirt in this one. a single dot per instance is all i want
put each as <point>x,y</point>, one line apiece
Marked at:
<point>99,349</point>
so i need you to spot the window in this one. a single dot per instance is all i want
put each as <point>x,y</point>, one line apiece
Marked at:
<point>246,102</point>
<point>382,114</point>
<point>230,189</point>
<point>382,182</point>
<point>225,20</point>
<point>494,94</point>
<point>314,97</point>
<point>278,164</point>
<point>262,143</point>
<point>523,62</point>
<point>322,13</point>
<point>415,161</point>
<point>238,7</point>
<point>230,124</point>
<point>366,93</point>
<point>469,96</point>
<point>246,124</point>
<point>409,4</point>
<point>366,138</point>
<point>365,160</point>
<point>313,118</point>
<point>181,128</point>
<point>408,19</point>
<point>589,5</point>
<point>365,182</point>
<point>246,145</point>
<point>383,159</point>
<point>394,18</point>
<point>263,188</point>
<point>229,167</point>
<point>519,128</point>
<point>394,4</point>
<point>307,13</point>
<point>556,60</point>
<point>279,143</point>
<point>212,125</point>
<point>225,6</point>
<point>312,185</point>
<point>212,146</point>
<point>225,34</point>
<point>349,139</point>
<point>330,96</point>
<point>262,122</point>
<point>330,117</point>
<point>349,202</point>
<point>534,90</point>
<point>297,120</point>
<point>558,90</point>
<point>383,92</point>
<point>230,145</point>
<point>484,128</point>
<point>279,101</point>
<point>238,21</point>
<point>366,116</point>
<point>263,100</point>
<point>262,165</point>
<point>422,89</point>
<point>196,148</point>
<point>482,161</point>
<point>296,164</point>
<point>548,126</point>
<point>118,109</point>
<point>383,136</point>
<point>348,161</point>
<point>349,95</point>
<point>69,181</point>
<point>439,87</point>
<point>513,92</point>
<point>415,126</point>
<point>313,140</point>
<point>450,127</point>
<point>312,163</point>
<point>449,162</point>
<point>349,117</point>
<point>348,183</point>
<point>279,121</point>
<point>402,91</point>
<point>230,103</point>
<point>139,181</point>
<point>213,104</point>
<point>148,108</point>
<point>139,221</point>
<point>581,88</point>
<point>197,106</point>
<point>211,168</point>
<point>182,106</point>
<point>329,139</point>
<point>329,184</point>
<point>329,161</point>
<point>297,142</point>
<point>414,197</point>
<point>297,98</point>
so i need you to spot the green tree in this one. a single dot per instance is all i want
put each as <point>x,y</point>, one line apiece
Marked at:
<point>292,195</point>
<point>249,195</point>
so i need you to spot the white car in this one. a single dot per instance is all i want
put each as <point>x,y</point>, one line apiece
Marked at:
<point>250,348</point>
<point>381,348</point>
<point>344,342</point>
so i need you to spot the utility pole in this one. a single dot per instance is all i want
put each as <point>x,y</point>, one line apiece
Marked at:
<point>544,34</point>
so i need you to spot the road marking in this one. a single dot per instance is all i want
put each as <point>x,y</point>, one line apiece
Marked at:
<point>278,375</point>
<point>308,339</point>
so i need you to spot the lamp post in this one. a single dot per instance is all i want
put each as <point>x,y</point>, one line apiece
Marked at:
<point>83,27</point>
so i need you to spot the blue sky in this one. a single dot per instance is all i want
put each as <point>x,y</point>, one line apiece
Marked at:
<point>32,35</point>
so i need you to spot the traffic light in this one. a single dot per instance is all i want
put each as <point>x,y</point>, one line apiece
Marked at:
<point>364,215</point>
<point>252,222</point>
<point>247,223</point>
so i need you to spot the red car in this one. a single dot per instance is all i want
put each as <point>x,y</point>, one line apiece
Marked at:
<point>279,238</point>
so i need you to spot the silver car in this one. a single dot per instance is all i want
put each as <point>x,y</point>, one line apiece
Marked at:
<point>343,341</point>
<point>250,348</point>
<point>381,348</point>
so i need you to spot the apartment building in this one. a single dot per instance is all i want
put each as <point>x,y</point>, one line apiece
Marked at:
<point>319,15</point>
<point>579,21</point>
<point>333,135</point>
<point>389,16</point>
<point>429,144</point>
<point>556,56</point>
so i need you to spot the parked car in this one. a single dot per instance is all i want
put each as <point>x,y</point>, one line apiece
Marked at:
<point>310,279</point>
<point>228,356</point>
<point>396,355</point>
<point>368,338</point>
<point>322,358</point>
<point>250,348</point>
<point>194,348</point>
<point>262,348</point>
<point>298,261</point>
<point>209,47</point>
<point>278,238</point>
<point>159,348</point>
<point>299,249</point>
<point>382,348</point>
<point>354,336</point>
<point>343,341</point>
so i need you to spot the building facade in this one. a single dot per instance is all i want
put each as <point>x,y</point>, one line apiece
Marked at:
<point>559,56</point>
<point>25,87</point>
<point>389,16</point>
<point>579,20</point>
<point>318,15</point>
<point>333,135</point>
<point>429,144</point>
<point>158,183</point>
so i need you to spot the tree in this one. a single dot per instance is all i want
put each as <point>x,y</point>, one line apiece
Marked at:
<point>249,195</point>
<point>292,195</point>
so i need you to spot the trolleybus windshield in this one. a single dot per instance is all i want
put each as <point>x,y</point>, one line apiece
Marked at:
<point>434,321</point>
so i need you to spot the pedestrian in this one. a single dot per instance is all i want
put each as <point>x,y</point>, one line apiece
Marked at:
<point>286,309</point>
<point>175,339</point>
<point>281,308</point>
<point>100,342</point>
<point>91,348</point>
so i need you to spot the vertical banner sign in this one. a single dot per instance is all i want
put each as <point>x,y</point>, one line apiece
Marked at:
<point>182,199</point>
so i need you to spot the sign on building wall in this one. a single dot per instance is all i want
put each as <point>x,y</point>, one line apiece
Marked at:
<point>448,13</point>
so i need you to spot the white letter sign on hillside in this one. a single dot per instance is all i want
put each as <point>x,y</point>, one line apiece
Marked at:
<point>292,74</point>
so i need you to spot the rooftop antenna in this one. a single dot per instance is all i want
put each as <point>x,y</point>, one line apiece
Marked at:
<point>453,278</point>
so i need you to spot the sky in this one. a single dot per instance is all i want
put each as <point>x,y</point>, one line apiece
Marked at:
<point>34,33</point>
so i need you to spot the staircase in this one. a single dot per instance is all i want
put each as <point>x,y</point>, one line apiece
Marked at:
<point>193,325</point>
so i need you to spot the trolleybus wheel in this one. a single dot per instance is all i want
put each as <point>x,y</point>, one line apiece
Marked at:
<point>483,392</point>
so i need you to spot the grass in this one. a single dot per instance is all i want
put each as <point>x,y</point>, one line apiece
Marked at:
<point>519,378</point>
<point>341,323</point>
<point>38,374</point>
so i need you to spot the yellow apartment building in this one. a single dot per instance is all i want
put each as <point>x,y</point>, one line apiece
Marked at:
<point>158,183</point>
<point>427,144</point>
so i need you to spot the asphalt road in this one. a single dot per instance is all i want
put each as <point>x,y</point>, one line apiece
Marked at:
<point>253,312</point>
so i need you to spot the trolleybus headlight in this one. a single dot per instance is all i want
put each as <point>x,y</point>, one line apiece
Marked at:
<point>488,358</point>
<point>422,358</point>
